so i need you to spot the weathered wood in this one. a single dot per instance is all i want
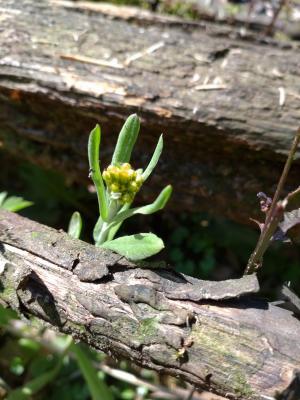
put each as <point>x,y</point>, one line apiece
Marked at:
<point>160,319</point>
<point>214,95</point>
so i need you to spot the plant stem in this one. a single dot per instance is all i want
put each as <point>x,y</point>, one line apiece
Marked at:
<point>274,214</point>
<point>113,209</point>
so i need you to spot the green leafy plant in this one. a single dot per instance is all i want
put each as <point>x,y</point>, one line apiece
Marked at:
<point>116,188</point>
<point>13,203</point>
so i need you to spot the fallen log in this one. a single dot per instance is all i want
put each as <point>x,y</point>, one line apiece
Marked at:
<point>228,105</point>
<point>203,332</point>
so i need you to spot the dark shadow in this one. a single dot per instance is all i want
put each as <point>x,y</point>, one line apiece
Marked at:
<point>243,303</point>
<point>45,303</point>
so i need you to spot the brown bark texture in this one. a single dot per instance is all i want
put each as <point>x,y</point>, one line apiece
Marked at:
<point>227,104</point>
<point>213,334</point>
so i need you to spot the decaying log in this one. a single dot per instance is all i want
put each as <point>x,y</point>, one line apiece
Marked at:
<point>228,106</point>
<point>203,332</point>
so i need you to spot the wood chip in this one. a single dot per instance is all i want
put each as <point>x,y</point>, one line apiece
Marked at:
<point>142,53</point>
<point>281,96</point>
<point>88,60</point>
<point>211,86</point>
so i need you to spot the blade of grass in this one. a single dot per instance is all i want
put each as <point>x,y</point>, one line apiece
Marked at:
<point>98,389</point>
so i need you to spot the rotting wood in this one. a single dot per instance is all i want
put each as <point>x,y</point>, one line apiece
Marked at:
<point>63,69</point>
<point>243,347</point>
<point>247,23</point>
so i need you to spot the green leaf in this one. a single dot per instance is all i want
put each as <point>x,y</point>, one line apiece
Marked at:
<point>98,389</point>
<point>126,140</point>
<point>136,247</point>
<point>2,197</point>
<point>97,229</point>
<point>154,159</point>
<point>93,154</point>
<point>75,225</point>
<point>158,204</point>
<point>15,203</point>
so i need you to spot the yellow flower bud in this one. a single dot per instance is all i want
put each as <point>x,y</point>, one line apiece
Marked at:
<point>131,174</point>
<point>115,188</point>
<point>126,166</point>
<point>111,168</point>
<point>123,182</point>
<point>133,186</point>
<point>126,198</point>
<point>105,175</point>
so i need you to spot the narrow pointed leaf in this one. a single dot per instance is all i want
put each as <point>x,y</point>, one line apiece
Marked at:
<point>154,159</point>
<point>75,225</point>
<point>15,203</point>
<point>93,154</point>
<point>136,247</point>
<point>97,229</point>
<point>158,204</point>
<point>126,140</point>
<point>98,389</point>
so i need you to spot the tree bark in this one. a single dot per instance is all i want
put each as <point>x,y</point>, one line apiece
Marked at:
<point>228,105</point>
<point>203,332</point>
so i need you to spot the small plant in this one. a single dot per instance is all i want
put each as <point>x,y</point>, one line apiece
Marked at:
<point>116,188</point>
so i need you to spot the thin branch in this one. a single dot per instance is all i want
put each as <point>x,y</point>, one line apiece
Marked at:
<point>274,214</point>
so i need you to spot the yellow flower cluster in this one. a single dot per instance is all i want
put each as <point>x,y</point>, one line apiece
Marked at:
<point>123,182</point>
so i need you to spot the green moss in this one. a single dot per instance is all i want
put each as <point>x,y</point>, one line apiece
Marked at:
<point>225,345</point>
<point>34,234</point>
<point>147,328</point>
<point>72,327</point>
<point>241,386</point>
<point>231,352</point>
<point>8,293</point>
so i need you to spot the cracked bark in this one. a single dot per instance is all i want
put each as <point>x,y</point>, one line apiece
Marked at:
<point>214,335</point>
<point>65,66</point>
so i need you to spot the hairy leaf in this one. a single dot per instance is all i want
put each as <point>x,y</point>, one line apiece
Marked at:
<point>154,159</point>
<point>136,247</point>
<point>75,225</point>
<point>158,204</point>
<point>126,140</point>
<point>15,203</point>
